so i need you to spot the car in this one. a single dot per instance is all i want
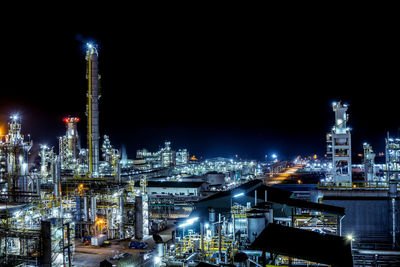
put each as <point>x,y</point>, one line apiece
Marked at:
<point>138,245</point>
<point>106,244</point>
<point>119,256</point>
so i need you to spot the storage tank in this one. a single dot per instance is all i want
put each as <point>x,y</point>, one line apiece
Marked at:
<point>215,178</point>
<point>255,225</point>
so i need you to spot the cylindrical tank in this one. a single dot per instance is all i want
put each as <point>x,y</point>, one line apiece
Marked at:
<point>211,219</point>
<point>211,215</point>
<point>121,211</point>
<point>160,250</point>
<point>215,178</point>
<point>255,225</point>
<point>78,208</point>
<point>93,208</point>
<point>85,209</point>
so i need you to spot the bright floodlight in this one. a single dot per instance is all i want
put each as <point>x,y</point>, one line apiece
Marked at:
<point>89,45</point>
<point>274,156</point>
<point>189,222</point>
<point>206,225</point>
<point>238,195</point>
<point>14,117</point>
<point>350,237</point>
<point>157,260</point>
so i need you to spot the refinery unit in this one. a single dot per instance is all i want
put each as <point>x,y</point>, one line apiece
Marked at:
<point>217,211</point>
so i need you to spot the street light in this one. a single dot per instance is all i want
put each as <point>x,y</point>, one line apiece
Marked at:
<point>157,260</point>
<point>238,195</point>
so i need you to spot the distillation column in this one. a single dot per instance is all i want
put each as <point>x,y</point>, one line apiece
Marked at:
<point>93,137</point>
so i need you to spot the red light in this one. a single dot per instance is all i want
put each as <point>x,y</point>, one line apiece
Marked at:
<point>71,119</point>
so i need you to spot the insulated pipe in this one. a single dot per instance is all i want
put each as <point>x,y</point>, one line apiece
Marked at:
<point>93,207</point>
<point>38,186</point>
<point>57,178</point>
<point>121,211</point>
<point>85,209</point>
<point>392,195</point>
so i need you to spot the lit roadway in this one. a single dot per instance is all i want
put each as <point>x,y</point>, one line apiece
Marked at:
<point>281,177</point>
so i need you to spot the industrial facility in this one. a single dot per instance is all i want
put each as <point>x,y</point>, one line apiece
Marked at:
<point>92,206</point>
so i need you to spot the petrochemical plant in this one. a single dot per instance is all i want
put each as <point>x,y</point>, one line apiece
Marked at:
<point>95,207</point>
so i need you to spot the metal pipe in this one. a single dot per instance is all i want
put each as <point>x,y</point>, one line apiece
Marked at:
<point>219,237</point>
<point>392,195</point>
<point>393,222</point>
<point>38,186</point>
<point>121,210</point>
<point>93,207</point>
<point>202,239</point>
<point>85,209</point>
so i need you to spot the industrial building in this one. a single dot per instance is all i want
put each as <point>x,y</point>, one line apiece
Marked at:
<point>339,147</point>
<point>212,212</point>
<point>165,157</point>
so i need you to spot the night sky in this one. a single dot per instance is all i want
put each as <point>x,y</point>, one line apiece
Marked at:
<point>215,86</point>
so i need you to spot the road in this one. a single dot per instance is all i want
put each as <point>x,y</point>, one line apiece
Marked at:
<point>281,177</point>
<point>89,256</point>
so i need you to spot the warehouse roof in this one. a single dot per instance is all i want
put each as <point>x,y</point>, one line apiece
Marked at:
<point>303,244</point>
<point>274,195</point>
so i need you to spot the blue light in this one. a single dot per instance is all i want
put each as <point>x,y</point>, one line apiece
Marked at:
<point>89,45</point>
<point>238,195</point>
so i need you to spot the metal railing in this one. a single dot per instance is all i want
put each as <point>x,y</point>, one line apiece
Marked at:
<point>354,185</point>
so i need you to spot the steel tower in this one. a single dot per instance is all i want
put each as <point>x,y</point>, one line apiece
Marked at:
<point>339,146</point>
<point>92,109</point>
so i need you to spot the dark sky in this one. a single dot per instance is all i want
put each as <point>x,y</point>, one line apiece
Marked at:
<point>218,86</point>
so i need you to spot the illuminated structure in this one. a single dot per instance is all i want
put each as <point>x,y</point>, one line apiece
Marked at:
<point>392,167</point>
<point>182,157</point>
<point>165,157</point>
<point>14,156</point>
<point>339,146</point>
<point>69,144</point>
<point>111,158</point>
<point>369,162</point>
<point>92,109</point>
